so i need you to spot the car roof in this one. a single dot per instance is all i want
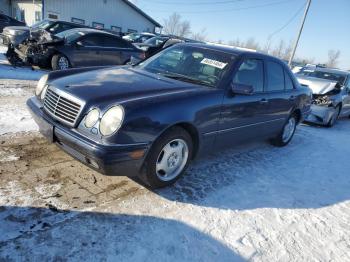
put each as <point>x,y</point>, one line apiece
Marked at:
<point>232,50</point>
<point>332,70</point>
<point>89,30</point>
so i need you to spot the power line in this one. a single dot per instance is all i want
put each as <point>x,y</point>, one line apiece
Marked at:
<point>288,22</point>
<point>225,10</point>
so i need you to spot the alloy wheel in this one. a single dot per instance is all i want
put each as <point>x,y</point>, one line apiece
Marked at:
<point>289,129</point>
<point>172,159</point>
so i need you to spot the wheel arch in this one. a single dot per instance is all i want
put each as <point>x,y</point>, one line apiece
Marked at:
<point>191,130</point>
<point>298,114</point>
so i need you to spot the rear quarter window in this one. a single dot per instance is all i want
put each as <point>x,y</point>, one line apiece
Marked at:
<point>288,81</point>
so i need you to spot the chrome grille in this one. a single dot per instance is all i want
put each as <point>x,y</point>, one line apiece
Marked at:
<point>61,106</point>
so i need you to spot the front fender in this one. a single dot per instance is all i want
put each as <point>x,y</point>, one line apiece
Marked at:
<point>147,120</point>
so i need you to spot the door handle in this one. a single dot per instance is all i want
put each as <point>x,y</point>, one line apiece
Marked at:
<point>291,98</point>
<point>264,101</point>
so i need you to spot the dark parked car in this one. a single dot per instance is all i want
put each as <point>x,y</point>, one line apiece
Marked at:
<point>138,37</point>
<point>15,35</point>
<point>6,20</point>
<point>157,43</point>
<point>150,120</point>
<point>331,93</point>
<point>78,48</point>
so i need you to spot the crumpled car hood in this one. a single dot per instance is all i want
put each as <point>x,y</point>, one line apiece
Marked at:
<point>317,85</point>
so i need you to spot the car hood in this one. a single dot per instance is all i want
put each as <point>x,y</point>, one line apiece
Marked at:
<point>317,85</point>
<point>118,84</point>
<point>16,28</point>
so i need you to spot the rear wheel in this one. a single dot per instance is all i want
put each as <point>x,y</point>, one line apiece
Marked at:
<point>334,117</point>
<point>60,62</point>
<point>287,132</point>
<point>168,158</point>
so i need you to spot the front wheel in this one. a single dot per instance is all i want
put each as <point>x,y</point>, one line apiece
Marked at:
<point>287,132</point>
<point>168,158</point>
<point>59,62</point>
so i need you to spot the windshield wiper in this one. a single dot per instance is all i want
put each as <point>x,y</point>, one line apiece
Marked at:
<point>186,79</point>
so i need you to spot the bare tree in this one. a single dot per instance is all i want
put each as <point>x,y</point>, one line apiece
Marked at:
<point>237,42</point>
<point>184,29</point>
<point>279,49</point>
<point>251,43</point>
<point>333,56</point>
<point>175,26</point>
<point>287,52</point>
<point>267,46</point>
<point>200,36</point>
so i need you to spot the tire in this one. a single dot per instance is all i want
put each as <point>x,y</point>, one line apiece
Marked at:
<point>284,138</point>
<point>334,118</point>
<point>168,158</point>
<point>60,62</point>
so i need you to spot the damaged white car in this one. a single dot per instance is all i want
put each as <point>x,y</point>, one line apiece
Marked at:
<point>331,94</point>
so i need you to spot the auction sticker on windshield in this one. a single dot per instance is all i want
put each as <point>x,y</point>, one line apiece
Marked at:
<point>213,63</point>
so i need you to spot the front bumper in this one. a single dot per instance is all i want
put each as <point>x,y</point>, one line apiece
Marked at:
<point>320,114</point>
<point>111,160</point>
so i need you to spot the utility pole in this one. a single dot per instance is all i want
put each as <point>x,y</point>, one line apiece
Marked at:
<point>298,37</point>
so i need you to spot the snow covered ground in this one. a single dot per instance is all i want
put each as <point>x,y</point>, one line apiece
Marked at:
<point>255,203</point>
<point>14,116</point>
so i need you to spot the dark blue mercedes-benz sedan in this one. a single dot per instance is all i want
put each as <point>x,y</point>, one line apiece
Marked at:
<point>151,119</point>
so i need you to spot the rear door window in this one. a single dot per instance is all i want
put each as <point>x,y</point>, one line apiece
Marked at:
<point>275,76</point>
<point>116,42</point>
<point>251,72</point>
<point>93,40</point>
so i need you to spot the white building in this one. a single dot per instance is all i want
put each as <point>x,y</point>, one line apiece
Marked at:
<point>117,15</point>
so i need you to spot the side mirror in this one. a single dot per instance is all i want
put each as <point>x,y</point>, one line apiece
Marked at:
<point>242,89</point>
<point>79,44</point>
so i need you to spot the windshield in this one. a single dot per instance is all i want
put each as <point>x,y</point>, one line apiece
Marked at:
<point>190,64</point>
<point>42,24</point>
<point>70,35</point>
<point>156,40</point>
<point>132,36</point>
<point>340,78</point>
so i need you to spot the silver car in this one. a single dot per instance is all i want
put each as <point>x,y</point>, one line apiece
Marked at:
<point>331,94</point>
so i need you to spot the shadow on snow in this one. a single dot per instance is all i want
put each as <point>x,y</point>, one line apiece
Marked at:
<point>34,234</point>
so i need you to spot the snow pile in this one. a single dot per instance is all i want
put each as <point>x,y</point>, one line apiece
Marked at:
<point>14,115</point>
<point>15,119</point>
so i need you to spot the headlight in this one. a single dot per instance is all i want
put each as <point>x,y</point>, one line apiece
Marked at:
<point>92,118</point>
<point>41,84</point>
<point>112,120</point>
<point>43,93</point>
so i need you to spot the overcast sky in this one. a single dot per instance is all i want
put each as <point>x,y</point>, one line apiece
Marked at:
<point>327,26</point>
